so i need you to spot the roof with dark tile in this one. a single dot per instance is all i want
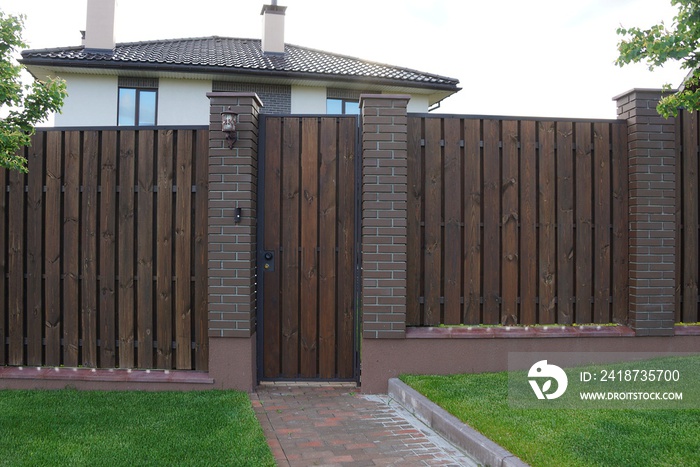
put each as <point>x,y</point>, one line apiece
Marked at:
<point>224,54</point>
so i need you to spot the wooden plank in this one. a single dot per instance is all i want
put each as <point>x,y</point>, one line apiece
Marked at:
<point>565,223</point>
<point>144,249</point>
<point>3,265</point>
<point>290,247</point>
<point>620,216</point>
<point>414,273</point>
<point>453,222</point>
<point>491,216</point>
<point>88,241</point>
<point>201,257</point>
<point>15,264</point>
<point>71,248</point>
<point>346,246</point>
<point>52,250</point>
<point>108,245</point>
<point>547,225</point>
<point>472,221</point>
<point>678,211</point>
<point>327,202</point>
<point>35,193</point>
<point>309,243</point>
<point>164,242</point>
<point>272,211</point>
<point>602,209</point>
<point>510,217</point>
<point>127,144</point>
<point>583,256</point>
<point>183,260</point>
<point>690,217</point>
<point>528,223</point>
<point>432,259</point>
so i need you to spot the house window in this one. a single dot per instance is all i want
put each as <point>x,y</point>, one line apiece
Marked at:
<point>342,106</point>
<point>138,99</point>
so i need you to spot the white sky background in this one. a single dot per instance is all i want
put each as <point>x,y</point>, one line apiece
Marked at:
<point>545,58</point>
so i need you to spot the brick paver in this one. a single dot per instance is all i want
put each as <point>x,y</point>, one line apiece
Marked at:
<point>337,426</point>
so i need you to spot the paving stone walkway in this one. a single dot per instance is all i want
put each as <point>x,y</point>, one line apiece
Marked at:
<point>337,426</point>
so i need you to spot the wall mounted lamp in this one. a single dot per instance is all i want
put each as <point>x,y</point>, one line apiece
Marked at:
<point>228,126</point>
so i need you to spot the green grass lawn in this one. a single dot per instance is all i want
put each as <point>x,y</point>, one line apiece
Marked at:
<point>567,437</point>
<point>71,427</point>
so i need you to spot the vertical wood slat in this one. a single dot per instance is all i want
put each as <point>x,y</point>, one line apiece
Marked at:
<point>309,243</point>
<point>108,244</point>
<point>35,182</point>
<point>414,272</point>
<point>52,250</point>
<point>71,239</point>
<point>126,248</point>
<point>432,273</point>
<point>327,202</point>
<point>528,223</point>
<point>290,245</point>
<point>547,221</point>
<point>690,217</point>
<point>509,220</point>
<point>88,240</point>
<point>453,223</point>
<point>183,232</point>
<point>201,245</point>
<point>583,258</point>
<point>472,221</point>
<point>271,242</point>
<point>164,241</point>
<point>620,216</point>
<point>144,249</point>
<point>602,208</point>
<point>491,215</point>
<point>3,264</point>
<point>678,206</point>
<point>15,265</point>
<point>346,246</point>
<point>565,223</point>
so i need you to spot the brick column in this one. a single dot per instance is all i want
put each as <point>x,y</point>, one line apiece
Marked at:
<point>384,192</point>
<point>232,246</point>
<point>652,183</point>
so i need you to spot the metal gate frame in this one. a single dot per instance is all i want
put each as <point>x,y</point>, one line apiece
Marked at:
<point>357,253</point>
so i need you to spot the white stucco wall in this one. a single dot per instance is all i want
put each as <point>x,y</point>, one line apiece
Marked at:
<point>308,100</point>
<point>417,104</point>
<point>91,101</point>
<point>183,102</point>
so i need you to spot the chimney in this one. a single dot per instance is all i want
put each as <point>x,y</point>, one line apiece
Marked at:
<point>99,27</point>
<point>273,28</point>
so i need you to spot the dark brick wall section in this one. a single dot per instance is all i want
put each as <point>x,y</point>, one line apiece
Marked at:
<point>384,159</point>
<point>277,97</point>
<point>652,183</point>
<point>232,184</point>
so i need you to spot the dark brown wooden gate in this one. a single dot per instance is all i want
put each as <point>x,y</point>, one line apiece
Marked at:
<point>307,237</point>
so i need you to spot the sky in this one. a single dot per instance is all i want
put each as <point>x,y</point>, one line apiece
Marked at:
<point>540,58</point>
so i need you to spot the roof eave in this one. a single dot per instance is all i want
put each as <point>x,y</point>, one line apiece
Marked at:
<point>217,70</point>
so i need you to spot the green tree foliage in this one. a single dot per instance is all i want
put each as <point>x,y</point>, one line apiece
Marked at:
<point>658,45</point>
<point>23,106</point>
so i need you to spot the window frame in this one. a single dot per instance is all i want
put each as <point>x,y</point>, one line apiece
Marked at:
<point>137,103</point>
<point>343,105</point>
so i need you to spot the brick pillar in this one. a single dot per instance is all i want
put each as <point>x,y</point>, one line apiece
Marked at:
<point>652,183</point>
<point>384,192</point>
<point>232,246</point>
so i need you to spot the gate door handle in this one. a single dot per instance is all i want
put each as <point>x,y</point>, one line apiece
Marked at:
<point>269,263</point>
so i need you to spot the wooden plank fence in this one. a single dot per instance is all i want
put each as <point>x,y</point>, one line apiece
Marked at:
<point>687,216</point>
<point>103,251</point>
<point>516,221</point>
